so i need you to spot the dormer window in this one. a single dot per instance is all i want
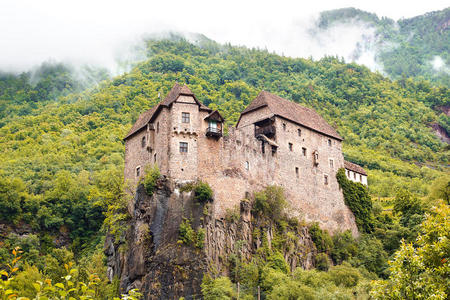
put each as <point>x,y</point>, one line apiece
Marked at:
<point>185,117</point>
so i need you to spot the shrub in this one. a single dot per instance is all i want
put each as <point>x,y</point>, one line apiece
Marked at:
<point>344,247</point>
<point>220,288</point>
<point>233,215</point>
<point>322,262</point>
<point>186,233</point>
<point>203,192</point>
<point>344,275</point>
<point>270,202</point>
<point>189,236</point>
<point>150,179</point>
<point>321,238</point>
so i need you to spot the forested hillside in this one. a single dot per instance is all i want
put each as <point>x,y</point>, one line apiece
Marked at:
<point>416,47</point>
<point>61,149</point>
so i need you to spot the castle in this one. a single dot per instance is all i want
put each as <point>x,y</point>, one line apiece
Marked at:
<point>275,141</point>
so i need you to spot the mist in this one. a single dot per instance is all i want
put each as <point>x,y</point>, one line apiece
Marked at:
<point>110,34</point>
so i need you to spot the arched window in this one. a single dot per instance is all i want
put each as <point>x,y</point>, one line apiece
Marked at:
<point>143,142</point>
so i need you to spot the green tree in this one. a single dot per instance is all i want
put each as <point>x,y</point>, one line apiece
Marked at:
<point>421,271</point>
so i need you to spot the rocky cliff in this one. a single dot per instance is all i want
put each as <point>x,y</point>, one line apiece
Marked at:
<point>152,256</point>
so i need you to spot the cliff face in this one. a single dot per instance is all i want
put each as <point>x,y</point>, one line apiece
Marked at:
<point>151,257</point>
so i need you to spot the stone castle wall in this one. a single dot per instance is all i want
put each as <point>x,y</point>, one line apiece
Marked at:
<point>236,167</point>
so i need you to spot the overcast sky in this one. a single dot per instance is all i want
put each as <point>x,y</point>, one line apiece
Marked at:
<point>96,31</point>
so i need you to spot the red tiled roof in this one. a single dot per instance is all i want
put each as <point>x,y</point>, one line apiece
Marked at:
<point>171,97</point>
<point>142,121</point>
<point>293,112</point>
<point>354,167</point>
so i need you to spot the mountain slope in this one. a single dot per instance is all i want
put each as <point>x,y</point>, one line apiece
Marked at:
<point>415,47</point>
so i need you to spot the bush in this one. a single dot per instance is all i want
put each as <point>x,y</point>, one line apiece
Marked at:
<point>322,263</point>
<point>344,247</point>
<point>203,192</point>
<point>344,275</point>
<point>321,238</point>
<point>220,288</point>
<point>150,179</point>
<point>189,236</point>
<point>270,202</point>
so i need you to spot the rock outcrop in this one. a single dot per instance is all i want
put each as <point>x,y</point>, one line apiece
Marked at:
<point>151,257</point>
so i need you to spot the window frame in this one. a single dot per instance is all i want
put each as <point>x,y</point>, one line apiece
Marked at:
<point>291,146</point>
<point>184,147</point>
<point>185,117</point>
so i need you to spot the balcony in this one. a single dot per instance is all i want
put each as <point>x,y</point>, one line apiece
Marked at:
<point>268,131</point>
<point>215,132</point>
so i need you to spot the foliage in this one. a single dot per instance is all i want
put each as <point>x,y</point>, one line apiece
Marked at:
<point>441,189</point>
<point>30,283</point>
<point>421,270</point>
<point>233,215</point>
<point>150,179</point>
<point>322,263</point>
<point>356,197</point>
<point>409,206</point>
<point>188,236</point>
<point>270,203</point>
<point>405,48</point>
<point>321,238</point>
<point>219,288</point>
<point>344,246</point>
<point>202,192</point>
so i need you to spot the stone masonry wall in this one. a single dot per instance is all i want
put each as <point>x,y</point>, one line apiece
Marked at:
<point>235,166</point>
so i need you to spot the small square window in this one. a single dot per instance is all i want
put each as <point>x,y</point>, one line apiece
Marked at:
<point>138,171</point>
<point>183,147</point>
<point>325,179</point>
<point>329,142</point>
<point>304,151</point>
<point>185,117</point>
<point>290,147</point>
<point>299,131</point>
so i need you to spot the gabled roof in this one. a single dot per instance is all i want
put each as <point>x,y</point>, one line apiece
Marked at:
<point>354,167</point>
<point>293,112</point>
<point>215,115</point>
<point>147,116</point>
<point>142,121</point>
